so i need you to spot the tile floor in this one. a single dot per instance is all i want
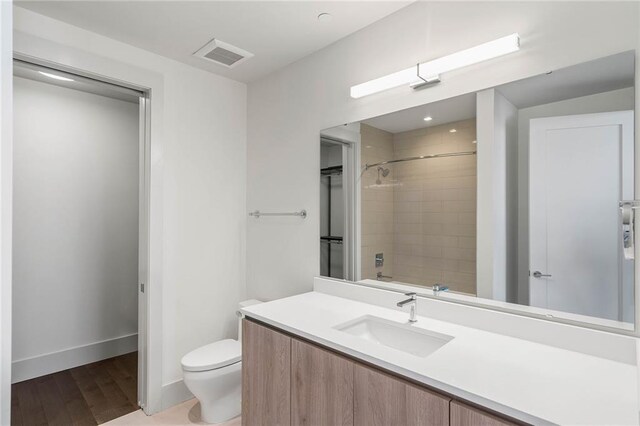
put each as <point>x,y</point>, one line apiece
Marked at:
<point>187,413</point>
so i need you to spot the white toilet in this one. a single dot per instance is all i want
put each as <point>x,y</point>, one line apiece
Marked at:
<point>213,374</point>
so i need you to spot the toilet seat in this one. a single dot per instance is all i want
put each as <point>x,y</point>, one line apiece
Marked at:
<point>213,356</point>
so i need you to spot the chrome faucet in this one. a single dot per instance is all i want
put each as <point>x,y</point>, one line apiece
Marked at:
<point>413,302</point>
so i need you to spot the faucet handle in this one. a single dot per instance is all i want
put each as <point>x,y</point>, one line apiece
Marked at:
<point>379,276</point>
<point>437,288</point>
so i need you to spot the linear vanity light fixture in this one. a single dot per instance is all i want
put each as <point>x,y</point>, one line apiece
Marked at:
<point>428,73</point>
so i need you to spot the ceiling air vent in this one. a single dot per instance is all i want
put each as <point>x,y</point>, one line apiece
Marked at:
<point>223,53</point>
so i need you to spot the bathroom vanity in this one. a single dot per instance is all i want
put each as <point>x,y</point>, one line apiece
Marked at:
<point>289,380</point>
<point>327,359</point>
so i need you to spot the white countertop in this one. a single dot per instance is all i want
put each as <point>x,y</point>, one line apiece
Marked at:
<point>528,381</point>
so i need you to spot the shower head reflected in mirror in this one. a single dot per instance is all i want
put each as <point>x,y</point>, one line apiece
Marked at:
<point>385,173</point>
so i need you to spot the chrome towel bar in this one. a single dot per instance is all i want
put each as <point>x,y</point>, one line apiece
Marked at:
<point>302,213</point>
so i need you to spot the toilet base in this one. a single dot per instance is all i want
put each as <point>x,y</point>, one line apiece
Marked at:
<point>218,391</point>
<point>214,414</point>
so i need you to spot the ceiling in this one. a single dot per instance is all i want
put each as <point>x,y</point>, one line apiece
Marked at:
<point>276,32</point>
<point>601,75</point>
<point>441,112</point>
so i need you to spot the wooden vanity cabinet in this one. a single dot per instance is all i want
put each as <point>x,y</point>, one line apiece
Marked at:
<point>382,399</point>
<point>288,381</point>
<point>321,386</point>
<point>266,376</point>
<point>466,415</point>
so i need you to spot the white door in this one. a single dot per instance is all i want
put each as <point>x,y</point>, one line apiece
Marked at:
<point>580,167</point>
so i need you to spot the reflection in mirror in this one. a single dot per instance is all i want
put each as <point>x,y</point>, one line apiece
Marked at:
<point>418,215</point>
<point>510,194</point>
<point>332,213</point>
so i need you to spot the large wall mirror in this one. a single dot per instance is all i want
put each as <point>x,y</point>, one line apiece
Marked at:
<point>509,196</point>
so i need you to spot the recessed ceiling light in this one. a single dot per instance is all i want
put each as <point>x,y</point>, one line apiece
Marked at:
<point>428,118</point>
<point>56,77</point>
<point>474,141</point>
<point>452,131</point>
<point>324,17</point>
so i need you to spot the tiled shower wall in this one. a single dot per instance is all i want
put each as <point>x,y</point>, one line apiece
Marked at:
<point>433,208</point>
<point>377,203</point>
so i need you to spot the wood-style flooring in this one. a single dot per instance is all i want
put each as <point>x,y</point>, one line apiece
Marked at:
<point>91,394</point>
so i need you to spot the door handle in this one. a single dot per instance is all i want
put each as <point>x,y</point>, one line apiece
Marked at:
<point>628,224</point>
<point>538,274</point>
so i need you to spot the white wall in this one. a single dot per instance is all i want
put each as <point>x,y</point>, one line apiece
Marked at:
<point>497,196</point>
<point>75,224</point>
<point>496,236</point>
<point>486,234</point>
<point>6,141</point>
<point>616,100</point>
<point>198,184</point>
<point>314,94</point>
<point>507,113</point>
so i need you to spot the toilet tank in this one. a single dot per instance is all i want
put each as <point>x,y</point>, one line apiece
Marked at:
<point>244,304</point>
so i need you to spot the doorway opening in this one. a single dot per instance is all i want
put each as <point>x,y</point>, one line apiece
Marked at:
<point>79,247</point>
<point>338,162</point>
<point>332,210</point>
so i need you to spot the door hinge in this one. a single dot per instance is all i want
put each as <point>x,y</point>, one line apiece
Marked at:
<point>142,287</point>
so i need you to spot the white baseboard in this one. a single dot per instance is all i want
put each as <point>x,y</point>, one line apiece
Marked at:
<point>28,368</point>
<point>174,393</point>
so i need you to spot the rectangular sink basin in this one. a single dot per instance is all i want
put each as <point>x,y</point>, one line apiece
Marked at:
<point>402,337</point>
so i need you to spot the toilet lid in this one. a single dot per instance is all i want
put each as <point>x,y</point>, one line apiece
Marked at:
<point>214,355</point>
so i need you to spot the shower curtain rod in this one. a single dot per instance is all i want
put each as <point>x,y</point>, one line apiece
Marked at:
<point>422,157</point>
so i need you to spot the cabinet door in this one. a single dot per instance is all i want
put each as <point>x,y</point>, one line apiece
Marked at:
<point>266,373</point>
<point>465,415</point>
<point>384,400</point>
<point>321,387</point>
